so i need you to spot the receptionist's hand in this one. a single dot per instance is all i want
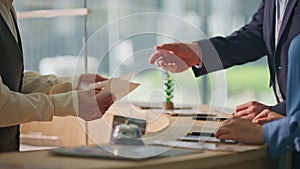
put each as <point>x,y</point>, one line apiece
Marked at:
<point>93,104</point>
<point>86,79</point>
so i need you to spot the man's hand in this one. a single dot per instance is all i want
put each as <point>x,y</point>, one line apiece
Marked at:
<point>176,57</point>
<point>266,116</point>
<point>86,79</point>
<point>92,104</point>
<point>250,110</point>
<point>240,130</point>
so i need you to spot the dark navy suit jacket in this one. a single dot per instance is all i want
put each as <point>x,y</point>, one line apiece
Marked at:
<point>252,42</point>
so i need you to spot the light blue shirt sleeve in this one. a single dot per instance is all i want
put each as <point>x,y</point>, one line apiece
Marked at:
<point>282,135</point>
<point>295,131</point>
<point>276,135</point>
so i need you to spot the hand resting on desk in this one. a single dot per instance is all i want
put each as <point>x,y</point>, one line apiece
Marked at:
<point>250,110</point>
<point>240,130</point>
<point>266,116</point>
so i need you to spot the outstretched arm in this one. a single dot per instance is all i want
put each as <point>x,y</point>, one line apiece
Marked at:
<point>17,108</point>
<point>242,46</point>
<point>33,82</point>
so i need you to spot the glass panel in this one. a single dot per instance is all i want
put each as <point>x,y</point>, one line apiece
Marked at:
<point>52,44</point>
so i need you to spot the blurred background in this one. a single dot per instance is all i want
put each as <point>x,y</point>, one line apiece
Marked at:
<point>52,45</point>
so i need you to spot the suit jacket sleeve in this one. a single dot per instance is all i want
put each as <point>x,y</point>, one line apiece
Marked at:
<point>279,108</point>
<point>244,45</point>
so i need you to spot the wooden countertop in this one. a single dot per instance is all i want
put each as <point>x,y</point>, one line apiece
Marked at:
<point>206,159</point>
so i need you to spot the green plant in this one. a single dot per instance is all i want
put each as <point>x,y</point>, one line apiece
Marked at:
<point>169,83</point>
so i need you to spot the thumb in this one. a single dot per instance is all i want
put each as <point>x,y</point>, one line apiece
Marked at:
<point>261,115</point>
<point>169,47</point>
<point>99,85</point>
<point>262,121</point>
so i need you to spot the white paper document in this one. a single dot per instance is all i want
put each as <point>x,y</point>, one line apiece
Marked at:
<point>119,87</point>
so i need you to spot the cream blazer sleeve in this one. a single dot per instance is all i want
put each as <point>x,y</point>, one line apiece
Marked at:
<point>33,82</point>
<point>35,103</point>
